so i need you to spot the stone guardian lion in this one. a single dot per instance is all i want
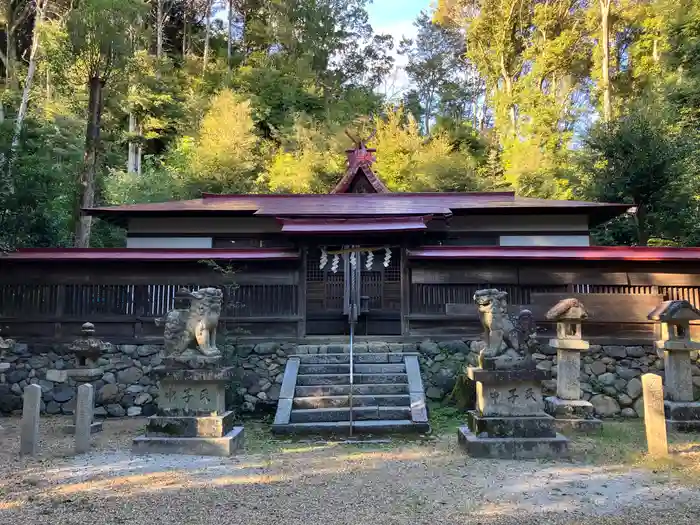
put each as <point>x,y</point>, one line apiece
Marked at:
<point>185,325</point>
<point>499,332</point>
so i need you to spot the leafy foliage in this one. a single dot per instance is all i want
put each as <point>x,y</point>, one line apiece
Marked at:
<point>504,94</point>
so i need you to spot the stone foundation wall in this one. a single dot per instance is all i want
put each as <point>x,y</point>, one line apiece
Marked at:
<point>121,379</point>
<point>123,384</point>
<point>610,375</point>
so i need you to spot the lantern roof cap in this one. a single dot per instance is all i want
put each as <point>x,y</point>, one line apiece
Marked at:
<point>674,312</point>
<point>567,310</point>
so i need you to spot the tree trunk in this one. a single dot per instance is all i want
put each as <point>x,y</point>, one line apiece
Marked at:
<point>135,149</point>
<point>508,82</point>
<point>83,223</point>
<point>207,33</point>
<point>428,111</point>
<point>184,28</point>
<point>160,23</point>
<point>655,52</point>
<point>605,66</point>
<point>48,85</point>
<point>229,48</point>
<point>24,104</point>
<point>10,54</point>
<point>641,219</point>
<point>5,56</point>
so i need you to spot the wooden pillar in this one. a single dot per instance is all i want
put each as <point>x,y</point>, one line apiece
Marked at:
<point>301,287</point>
<point>60,305</point>
<point>405,291</point>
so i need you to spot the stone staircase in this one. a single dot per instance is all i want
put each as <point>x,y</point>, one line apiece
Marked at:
<point>387,394</point>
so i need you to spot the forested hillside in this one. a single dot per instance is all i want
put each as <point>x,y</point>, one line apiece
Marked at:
<point>115,101</point>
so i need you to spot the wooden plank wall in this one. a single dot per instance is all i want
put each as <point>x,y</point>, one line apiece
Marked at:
<point>50,301</point>
<point>42,302</point>
<point>619,296</point>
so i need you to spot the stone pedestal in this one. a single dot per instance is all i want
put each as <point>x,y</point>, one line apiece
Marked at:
<point>510,421</point>
<point>192,417</point>
<point>683,417</point>
<point>84,376</point>
<point>682,413</point>
<point>674,341</point>
<point>87,350</point>
<point>571,413</point>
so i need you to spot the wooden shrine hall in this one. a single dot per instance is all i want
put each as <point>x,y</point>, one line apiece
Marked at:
<point>419,258</point>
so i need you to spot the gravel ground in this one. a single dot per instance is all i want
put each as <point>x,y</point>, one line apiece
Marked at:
<point>315,484</point>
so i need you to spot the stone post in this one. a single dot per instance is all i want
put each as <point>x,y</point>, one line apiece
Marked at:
<point>570,411</point>
<point>83,418</point>
<point>654,418</point>
<point>674,341</point>
<point>29,437</point>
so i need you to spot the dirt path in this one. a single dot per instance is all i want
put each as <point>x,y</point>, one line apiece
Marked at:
<point>405,484</point>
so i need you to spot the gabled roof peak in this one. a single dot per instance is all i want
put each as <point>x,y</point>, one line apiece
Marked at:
<point>359,177</point>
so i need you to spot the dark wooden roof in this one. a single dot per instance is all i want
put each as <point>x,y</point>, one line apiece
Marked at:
<point>148,254</point>
<point>556,253</point>
<point>552,253</point>
<point>363,225</point>
<point>360,205</point>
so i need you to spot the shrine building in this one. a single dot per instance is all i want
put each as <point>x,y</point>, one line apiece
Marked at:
<point>419,258</point>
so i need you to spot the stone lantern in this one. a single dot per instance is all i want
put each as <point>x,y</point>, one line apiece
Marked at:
<point>570,411</point>
<point>5,345</point>
<point>87,350</point>
<point>674,341</point>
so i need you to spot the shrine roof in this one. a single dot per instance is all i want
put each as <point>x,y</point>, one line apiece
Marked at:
<point>148,254</point>
<point>561,253</point>
<point>359,205</point>
<point>551,253</point>
<point>363,225</point>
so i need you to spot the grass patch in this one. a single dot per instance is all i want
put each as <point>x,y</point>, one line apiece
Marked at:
<point>445,419</point>
<point>260,440</point>
<point>625,443</point>
<point>617,442</point>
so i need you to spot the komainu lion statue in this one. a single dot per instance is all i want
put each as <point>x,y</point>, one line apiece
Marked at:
<point>196,322</point>
<point>499,332</point>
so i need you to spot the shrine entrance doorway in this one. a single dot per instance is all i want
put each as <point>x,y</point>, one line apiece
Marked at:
<point>327,286</point>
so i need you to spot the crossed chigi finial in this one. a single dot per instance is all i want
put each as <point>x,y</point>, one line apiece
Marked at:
<point>361,153</point>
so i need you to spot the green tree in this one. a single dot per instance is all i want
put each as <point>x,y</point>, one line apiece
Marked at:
<point>635,160</point>
<point>95,43</point>
<point>308,161</point>
<point>434,61</point>
<point>407,161</point>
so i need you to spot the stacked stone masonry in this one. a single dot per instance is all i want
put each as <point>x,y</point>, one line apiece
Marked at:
<point>610,375</point>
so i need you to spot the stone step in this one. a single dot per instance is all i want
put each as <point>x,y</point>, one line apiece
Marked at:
<point>325,369</point>
<point>344,389</point>
<point>322,379</point>
<point>357,400</point>
<point>358,348</point>
<point>312,415</point>
<point>340,379</point>
<point>358,368</point>
<point>320,359</point>
<point>342,428</point>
